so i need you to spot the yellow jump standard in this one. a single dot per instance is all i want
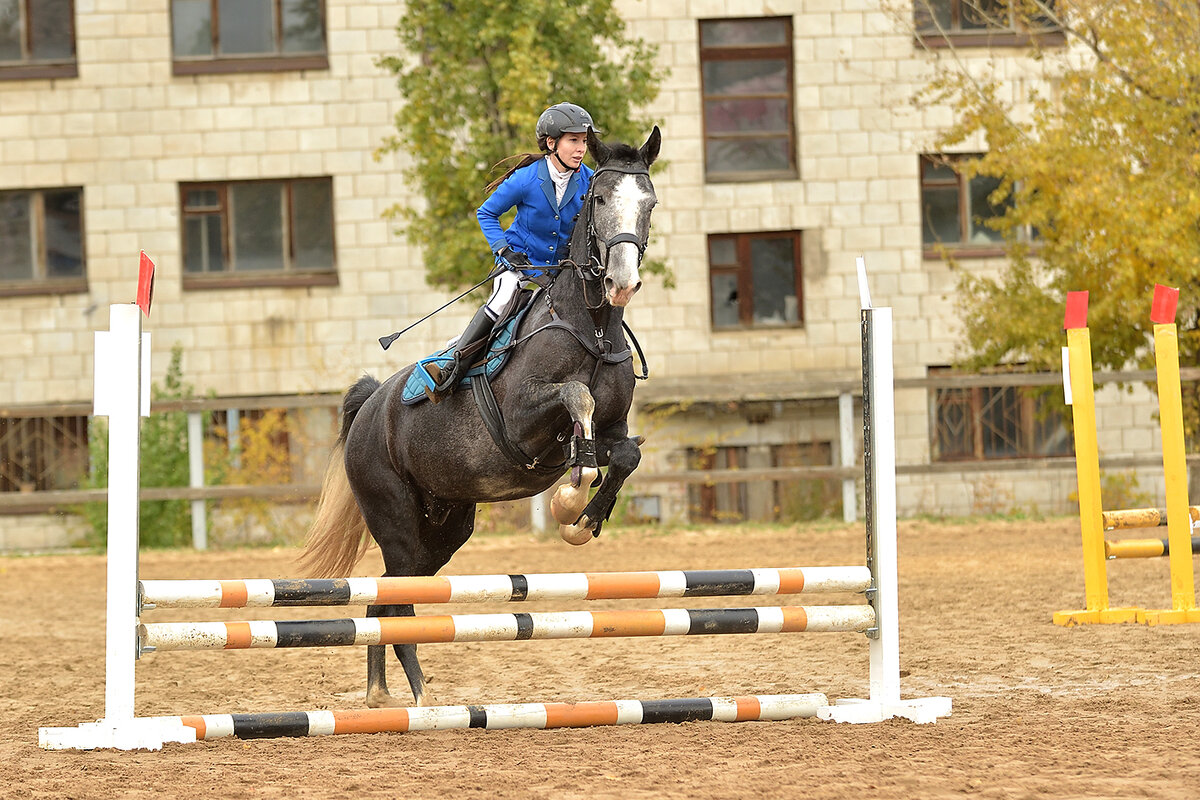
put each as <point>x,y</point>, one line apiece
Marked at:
<point>1087,464</point>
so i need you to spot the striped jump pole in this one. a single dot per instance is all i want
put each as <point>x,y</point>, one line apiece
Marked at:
<point>501,588</point>
<point>504,715</point>
<point>501,627</point>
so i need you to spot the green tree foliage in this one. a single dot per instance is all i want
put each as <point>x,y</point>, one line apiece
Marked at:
<point>475,76</point>
<point>164,462</point>
<point>1102,162</point>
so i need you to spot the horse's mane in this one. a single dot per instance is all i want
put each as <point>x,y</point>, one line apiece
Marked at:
<point>619,151</point>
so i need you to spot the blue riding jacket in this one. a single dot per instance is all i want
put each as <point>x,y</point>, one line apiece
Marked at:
<point>542,229</point>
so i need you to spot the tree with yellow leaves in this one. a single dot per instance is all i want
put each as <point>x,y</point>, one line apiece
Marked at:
<point>1102,163</point>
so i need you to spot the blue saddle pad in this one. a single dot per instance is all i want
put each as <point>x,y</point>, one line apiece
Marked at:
<point>414,387</point>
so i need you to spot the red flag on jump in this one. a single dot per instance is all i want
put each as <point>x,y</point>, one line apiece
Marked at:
<point>1162,309</point>
<point>1076,313</point>
<point>145,293</point>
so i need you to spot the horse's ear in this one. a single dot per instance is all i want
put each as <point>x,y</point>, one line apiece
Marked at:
<point>597,148</point>
<point>649,151</point>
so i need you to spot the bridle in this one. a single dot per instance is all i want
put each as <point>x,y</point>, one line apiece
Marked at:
<point>592,274</point>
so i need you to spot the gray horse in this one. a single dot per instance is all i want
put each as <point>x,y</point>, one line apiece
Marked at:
<point>411,475</point>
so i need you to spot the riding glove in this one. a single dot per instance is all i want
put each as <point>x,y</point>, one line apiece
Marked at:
<point>514,258</point>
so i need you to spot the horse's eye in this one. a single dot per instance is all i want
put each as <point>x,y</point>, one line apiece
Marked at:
<point>599,201</point>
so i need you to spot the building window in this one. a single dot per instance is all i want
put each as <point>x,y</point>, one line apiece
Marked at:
<point>41,241</point>
<point>247,35</point>
<point>978,423</point>
<point>39,454</point>
<point>746,78</point>
<point>717,502</point>
<point>37,39</point>
<point>957,211</point>
<point>986,23</point>
<point>259,233</point>
<point>756,280</point>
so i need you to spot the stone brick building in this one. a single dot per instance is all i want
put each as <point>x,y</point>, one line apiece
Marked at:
<point>238,153</point>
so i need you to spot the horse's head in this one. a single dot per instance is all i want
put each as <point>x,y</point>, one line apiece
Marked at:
<point>619,206</point>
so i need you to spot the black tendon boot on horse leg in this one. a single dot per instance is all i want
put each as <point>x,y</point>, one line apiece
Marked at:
<point>446,379</point>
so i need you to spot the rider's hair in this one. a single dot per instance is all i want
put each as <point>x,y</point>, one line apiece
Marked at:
<point>522,160</point>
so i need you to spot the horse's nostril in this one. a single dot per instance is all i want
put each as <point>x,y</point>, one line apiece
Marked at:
<point>609,283</point>
<point>638,286</point>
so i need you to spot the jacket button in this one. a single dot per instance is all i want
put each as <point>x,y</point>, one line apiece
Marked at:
<point>551,247</point>
<point>554,233</point>
<point>556,216</point>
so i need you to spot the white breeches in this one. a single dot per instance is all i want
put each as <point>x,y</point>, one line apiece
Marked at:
<point>503,287</point>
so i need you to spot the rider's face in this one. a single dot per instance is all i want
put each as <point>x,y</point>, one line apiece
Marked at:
<point>571,147</point>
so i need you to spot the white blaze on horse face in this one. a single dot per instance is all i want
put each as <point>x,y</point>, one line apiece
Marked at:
<point>630,203</point>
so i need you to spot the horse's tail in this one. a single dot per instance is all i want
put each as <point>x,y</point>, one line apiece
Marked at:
<point>338,537</point>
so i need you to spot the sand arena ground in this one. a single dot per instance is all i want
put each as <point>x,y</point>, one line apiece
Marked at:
<point>1039,711</point>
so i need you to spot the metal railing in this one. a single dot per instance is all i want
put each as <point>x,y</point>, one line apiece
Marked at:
<point>841,390</point>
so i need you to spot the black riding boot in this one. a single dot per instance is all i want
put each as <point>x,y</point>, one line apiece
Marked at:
<point>447,378</point>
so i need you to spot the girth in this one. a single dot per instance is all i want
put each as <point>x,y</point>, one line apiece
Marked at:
<point>494,421</point>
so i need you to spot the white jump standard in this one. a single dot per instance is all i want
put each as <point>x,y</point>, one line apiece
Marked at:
<point>120,393</point>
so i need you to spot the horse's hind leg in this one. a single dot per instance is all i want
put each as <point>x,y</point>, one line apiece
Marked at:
<point>414,545</point>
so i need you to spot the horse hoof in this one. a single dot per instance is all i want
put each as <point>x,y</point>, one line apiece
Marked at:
<point>580,533</point>
<point>382,700</point>
<point>567,503</point>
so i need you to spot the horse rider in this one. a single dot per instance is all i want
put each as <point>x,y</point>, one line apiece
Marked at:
<point>547,189</point>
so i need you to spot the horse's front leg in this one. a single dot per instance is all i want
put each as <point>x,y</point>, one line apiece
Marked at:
<point>622,455</point>
<point>569,499</point>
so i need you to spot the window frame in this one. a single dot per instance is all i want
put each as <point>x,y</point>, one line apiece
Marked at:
<point>975,401</point>
<point>962,248</point>
<point>744,272</point>
<point>30,69</point>
<point>35,450</point>
<point>45,285</point>
<point>231,278</point>
<point>786,52</point>
<point>217,64</point>
<point>956,36</point>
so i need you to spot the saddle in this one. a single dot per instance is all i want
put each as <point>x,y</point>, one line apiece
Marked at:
<point>489,360</point>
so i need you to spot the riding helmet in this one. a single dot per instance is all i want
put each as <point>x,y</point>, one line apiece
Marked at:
<point>564,118</point>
